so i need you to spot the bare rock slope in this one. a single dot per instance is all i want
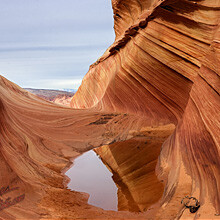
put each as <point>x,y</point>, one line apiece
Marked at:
<point>162,69</point>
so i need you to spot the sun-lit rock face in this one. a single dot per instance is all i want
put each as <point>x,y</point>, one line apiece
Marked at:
<point>163,68</point>
<point>150,68</point>
<point>37,141</point>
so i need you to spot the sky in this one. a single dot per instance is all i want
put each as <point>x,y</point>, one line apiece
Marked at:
<point>50,44</point>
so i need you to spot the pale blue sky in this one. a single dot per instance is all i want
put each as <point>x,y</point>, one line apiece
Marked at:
<point>51,43</point>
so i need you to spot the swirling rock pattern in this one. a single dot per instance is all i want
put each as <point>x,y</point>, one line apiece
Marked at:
<point>163,68</point>
<point>133,163</point>
<point>37,141</point>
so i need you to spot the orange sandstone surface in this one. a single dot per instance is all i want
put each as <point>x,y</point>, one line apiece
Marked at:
<point>157,86</point>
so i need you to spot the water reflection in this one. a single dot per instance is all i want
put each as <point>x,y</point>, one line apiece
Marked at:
<point>90,175</point>
<point>132,164</point>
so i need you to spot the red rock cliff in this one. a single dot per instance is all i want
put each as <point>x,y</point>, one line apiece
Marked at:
<point>163,68</point>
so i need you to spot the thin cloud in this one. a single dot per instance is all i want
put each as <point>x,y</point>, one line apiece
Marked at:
<point>46,44</point>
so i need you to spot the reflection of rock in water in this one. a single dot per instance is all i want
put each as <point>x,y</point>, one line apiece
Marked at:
<point>162,68</point>
<point>91,176</point>
<point>133,164</point>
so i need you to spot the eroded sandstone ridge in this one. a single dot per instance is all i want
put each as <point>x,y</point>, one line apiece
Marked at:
<point>165,65</point>
<point>163,68</point>
<point>38,139</point>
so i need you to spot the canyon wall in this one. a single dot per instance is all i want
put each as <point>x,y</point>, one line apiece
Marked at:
<point>165,65</point>
<point>162,69</point>
<point>133,164</point>
<point>37,141</point>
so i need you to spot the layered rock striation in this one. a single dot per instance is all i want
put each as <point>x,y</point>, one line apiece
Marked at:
<point>132,163</point>
<point>38,140</point>
<point>163,68</point>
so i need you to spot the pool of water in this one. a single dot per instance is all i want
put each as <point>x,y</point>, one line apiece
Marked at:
<point>133,162</point>
<point>90,175</point>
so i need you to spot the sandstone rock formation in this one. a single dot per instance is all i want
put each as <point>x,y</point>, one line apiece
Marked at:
<point>56,96</point>
<point>164,65</point>
<point>37,141</point>
<point>133,164</point>
<point>163,68</point>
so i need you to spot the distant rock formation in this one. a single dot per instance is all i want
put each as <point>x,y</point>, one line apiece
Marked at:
<point>162,69</point>
<point>56,96</point>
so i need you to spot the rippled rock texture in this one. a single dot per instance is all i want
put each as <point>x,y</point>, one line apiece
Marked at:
<point>38,139</point>
<point>132,164</point>
<point>163,68</point>
<point>164,65</point>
